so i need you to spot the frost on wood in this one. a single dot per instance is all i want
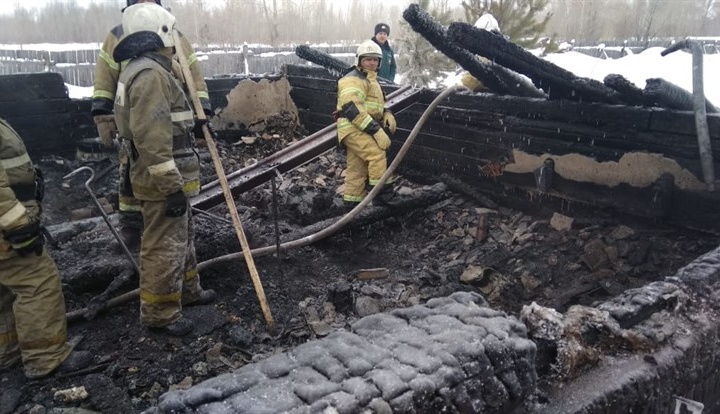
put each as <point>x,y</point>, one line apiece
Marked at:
<point>452,354</point>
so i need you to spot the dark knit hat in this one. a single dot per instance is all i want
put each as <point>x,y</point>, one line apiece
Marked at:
<point>382,27</point>
<point>131,2</point>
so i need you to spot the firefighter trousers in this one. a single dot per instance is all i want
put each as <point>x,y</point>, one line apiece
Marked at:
<point>168,266</point>
<point>366,163</point>
<point>33,327</point>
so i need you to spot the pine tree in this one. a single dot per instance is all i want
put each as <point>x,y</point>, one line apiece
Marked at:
<point>418,61</point>
<point>523,21</point>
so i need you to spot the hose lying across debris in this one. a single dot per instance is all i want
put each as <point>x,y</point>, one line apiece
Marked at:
<point>328,231</point>
<point>305,241</point>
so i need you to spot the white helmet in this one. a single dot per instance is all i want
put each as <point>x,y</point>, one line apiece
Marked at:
<point>367,48</point>
<point>150,17</point>
<point>487,22</point>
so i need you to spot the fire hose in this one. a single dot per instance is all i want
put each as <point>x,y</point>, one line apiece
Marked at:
<point>305,241</point>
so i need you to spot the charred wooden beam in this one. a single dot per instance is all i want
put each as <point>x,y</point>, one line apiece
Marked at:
<point>668,95</point>
<point>336,67</point>
<point>630,93</point>
<point>494,77</point>
<point>557,82</point>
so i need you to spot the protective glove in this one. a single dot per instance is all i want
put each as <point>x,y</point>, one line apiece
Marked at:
<point>107,129</point>
<point>26,239</point>
<point>389,121</point>
<point>197,129</point>
<point>382,139</point>
<point>176,204</point>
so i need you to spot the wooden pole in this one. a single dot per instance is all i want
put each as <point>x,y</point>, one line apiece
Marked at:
<point>237,224</point>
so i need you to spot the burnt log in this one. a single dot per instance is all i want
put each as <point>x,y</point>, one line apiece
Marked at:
<point>558,83</point>
<point>494,77</point>
<point>668,95</point>
<point>336,67</point>
<point>630,93</point>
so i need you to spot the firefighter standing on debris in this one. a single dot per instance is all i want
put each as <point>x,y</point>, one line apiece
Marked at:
<point>361,125</point>
<point>107,72</point>
<point>33,327</point>
<point>155,120</point>
<point>486,22</point>
<point>388,66</point>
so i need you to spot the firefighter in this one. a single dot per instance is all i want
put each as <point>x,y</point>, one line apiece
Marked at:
<point>362,124</point>
<point>33,328</point>
<point>388,66</point>
<point>107,71</point>
<point>486,22</point>
<point>155,120</point>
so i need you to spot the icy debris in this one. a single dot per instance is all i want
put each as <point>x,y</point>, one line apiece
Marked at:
<point>448,355</point>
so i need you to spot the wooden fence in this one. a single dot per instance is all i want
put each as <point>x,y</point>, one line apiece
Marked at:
<point>77,67</point>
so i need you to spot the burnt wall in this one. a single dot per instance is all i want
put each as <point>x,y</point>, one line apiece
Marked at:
<point>37,106</point>
<point>685,365</point>
<point>642,161</point>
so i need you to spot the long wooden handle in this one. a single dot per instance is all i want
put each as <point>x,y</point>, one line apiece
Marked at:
<point>237,224</point>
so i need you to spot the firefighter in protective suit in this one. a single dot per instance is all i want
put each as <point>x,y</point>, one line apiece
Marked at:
<point>33,328</point>
<point>363,125</point>
<point>486,22</point>
<point>107,72</point>
<point>155,120</point>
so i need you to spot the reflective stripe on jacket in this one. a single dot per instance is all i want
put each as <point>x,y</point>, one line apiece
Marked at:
<point>16,169</point>
<point>152,112</point>
<point>107,73</point>
<point>362,89</point>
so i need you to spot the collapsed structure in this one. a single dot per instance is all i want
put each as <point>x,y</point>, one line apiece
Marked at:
<point>456,354</point>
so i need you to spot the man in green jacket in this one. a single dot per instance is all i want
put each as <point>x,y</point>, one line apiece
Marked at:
<point>156,121</point>
<point>388,67</point>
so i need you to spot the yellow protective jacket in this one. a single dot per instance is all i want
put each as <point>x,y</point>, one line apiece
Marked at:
<point>153,114</point>
<point>107,73</point>
<point>18,206</point>
<point>360,104</point>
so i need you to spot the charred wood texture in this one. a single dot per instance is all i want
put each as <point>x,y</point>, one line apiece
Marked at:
<point>557,82</point>
<point>37,106</point>
<point>336,67</point>
<point>668,95</point>
<point>436,34</point>
<point>631,94</point>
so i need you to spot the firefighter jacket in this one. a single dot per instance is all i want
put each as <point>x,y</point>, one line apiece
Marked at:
<point>388,66</point>
<point>18,189</point>
<point>361,103</point>
<point>154,116</point>
<point>107,72</point>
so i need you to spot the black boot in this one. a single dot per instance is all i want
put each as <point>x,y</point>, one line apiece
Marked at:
<point>206,297</point>
<point>385,197</point>
<point>180,327</point>
<point>75,361</point>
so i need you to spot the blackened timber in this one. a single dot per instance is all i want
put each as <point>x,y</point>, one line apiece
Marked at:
<point>288,158</point>
<point>336,67</point>
<point>558,83</point>
<point>631,94</point>
<point>536,135</point>
<point>668,95</point>
<point>685,208</point>
<point>435,33</point>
